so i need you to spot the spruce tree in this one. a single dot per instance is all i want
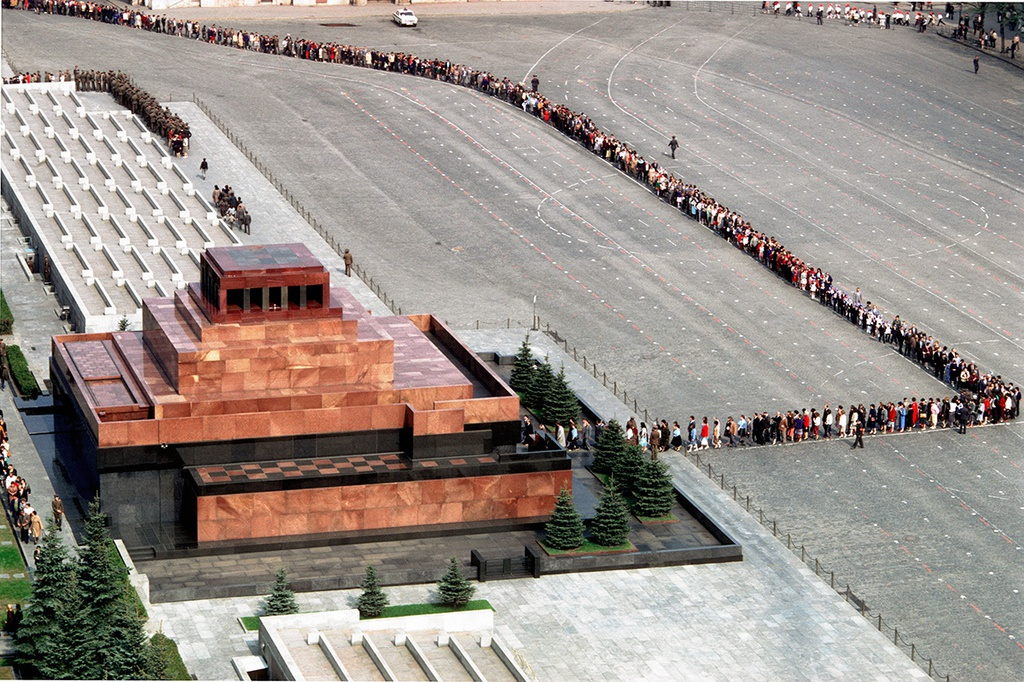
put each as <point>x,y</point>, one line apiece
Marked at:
<point>653,492</point>
<point>562,405</point>
<point>540,391</point>
<point>628,467</point>
<point>565,529</point>
<point>609,448</point>
<point>117,643</point>
<point>610,527</point>
<point>74,656</point>
<point>281,600</point>
<point>372,601</point>
<point>39,638</point>
<point>453,589</point>
<point>523,369</point>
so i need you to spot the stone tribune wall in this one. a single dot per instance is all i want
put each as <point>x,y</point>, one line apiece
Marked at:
<point>407,504</point>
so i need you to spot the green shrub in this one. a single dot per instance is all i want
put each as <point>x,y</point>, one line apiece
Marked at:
<point>21,375</point>
<point>282,599</point>
<point>453,589</point>
<point>565,529</point>
<point>372,601</point>
<point>6,318</point>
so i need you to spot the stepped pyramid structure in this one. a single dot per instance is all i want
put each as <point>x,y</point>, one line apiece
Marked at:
<point>259,403</point>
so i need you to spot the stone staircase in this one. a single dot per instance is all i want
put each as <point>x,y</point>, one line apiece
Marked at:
<point>339,646</point>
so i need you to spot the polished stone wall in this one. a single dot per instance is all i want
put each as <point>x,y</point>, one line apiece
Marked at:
<point>245,516</point>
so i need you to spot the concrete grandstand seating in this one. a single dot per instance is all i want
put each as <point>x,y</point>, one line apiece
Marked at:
<point>81,178</point>
<point>47,126</point>
<point>55,177</point>
<point>11,145</point>
<point>65,155</point>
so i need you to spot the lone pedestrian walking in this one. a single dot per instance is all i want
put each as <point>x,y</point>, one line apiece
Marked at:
<point>534,83</point>
<point>348,263</point>
<point>977,61</point>
<point>859,436</point>
<point>203,167</point>
<point>673,145</point>
<point>58,511</point>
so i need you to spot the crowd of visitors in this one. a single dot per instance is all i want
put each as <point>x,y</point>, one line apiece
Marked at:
<point>921,15</point>
<point>981,388</point>
<point>23,516</point>
<point>231,208</point>
<point>39,77</point>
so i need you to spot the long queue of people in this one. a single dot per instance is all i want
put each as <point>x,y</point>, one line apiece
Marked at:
<point>959,411</point>
<point>699,205</point>
<point>23,516</point>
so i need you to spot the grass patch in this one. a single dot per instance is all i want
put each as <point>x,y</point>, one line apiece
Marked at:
<point>12,590</point>
<point>15,591</point>
<point>10,559</point>
<point>424,609</point>
<point>652,520</point>
<point>6,317</point>
<point>167,650</point>
<point>6,670</point>
<point>589,547</point>
<point>21,375</point>
<point>250,623</point>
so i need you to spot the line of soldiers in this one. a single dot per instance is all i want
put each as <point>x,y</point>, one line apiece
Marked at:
<point>157,118</point>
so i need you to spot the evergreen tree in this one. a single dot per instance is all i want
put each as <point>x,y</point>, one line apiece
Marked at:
<point>74,656</point>
<point>39,635</point>
<point>372,601</point>
<point>628,466</point>
<point>116,641</point>
<point>562,405</point>
<point>565,529</point>
<point>281,600</point>
<point>609,448</point>
<point>653,492</point>
<point>540,391</point>
<point>157,665</point>
<point>523,369</point>
<point>453,588</point>
<point>610,527</point>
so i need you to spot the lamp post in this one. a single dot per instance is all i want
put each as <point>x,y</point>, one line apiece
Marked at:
<point>535,325</point>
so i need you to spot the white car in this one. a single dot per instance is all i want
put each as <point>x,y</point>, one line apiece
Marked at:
<point>405,17</point>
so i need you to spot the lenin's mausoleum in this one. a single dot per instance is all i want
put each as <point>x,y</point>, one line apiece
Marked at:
<point>260,403</point>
